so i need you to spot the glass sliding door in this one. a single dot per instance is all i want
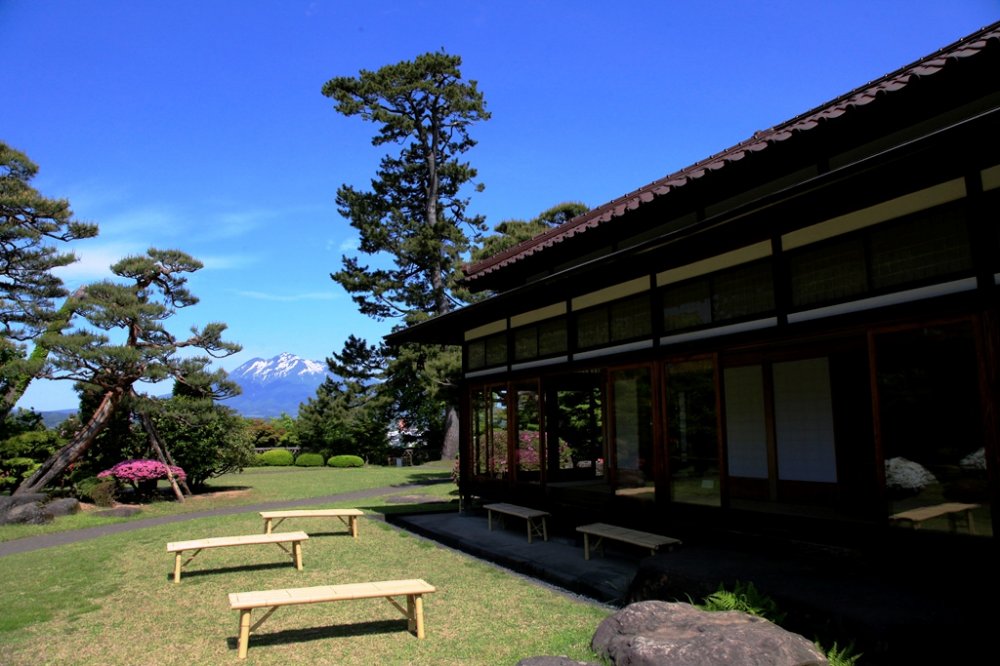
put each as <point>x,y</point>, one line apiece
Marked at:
<point>529,432</point>
<point>489,433</point>
<point>931,429</point>
<point>632,429</point>
<point>574,424</point>
<point>692,433</point>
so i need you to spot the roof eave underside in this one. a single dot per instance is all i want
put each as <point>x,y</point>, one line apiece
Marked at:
<point>760,141</point>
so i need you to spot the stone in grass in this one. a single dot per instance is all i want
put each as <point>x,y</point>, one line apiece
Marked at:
<point>649,633</point>
<point>32,513</point>
<point>554,661</point>
<point>64,506</point>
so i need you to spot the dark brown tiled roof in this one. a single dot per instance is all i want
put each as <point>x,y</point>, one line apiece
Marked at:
<point>761,140</point>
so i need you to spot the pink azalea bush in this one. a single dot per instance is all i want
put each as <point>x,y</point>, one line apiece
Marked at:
<point>141,473</point>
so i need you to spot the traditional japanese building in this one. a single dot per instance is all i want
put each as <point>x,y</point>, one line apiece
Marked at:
<point>798,331</point>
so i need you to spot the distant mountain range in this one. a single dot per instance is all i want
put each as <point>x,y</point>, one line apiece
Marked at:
<point>270,387</point>
<point>275,385</point>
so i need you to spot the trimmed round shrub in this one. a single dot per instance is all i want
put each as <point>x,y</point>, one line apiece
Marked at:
<point>346,461</point>
<point>309,460</point>
<point>276,458</point>
<point>99,491</point>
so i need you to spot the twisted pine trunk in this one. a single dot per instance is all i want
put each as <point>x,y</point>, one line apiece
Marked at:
<point>54,467</point>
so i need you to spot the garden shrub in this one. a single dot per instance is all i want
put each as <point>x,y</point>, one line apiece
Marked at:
<point>15,470</point>
<point>99,491</point>
<point>207,440</point>
<point>142,475</point>
<point>309,460</point>
<point>276,458</point>
<point>346,461</point>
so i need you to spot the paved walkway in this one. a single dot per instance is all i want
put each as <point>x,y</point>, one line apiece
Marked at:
<point>28,544</point>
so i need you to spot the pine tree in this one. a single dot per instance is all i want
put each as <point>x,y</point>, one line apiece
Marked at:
<point>416,211</point>
<point>153,289</point>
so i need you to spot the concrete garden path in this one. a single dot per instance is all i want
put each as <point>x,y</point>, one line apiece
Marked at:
<point>40,541</point>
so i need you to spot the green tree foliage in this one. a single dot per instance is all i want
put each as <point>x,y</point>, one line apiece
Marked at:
<point>31,228</point>
<point>264,433</point>
<point>509,233</point>
<point>24,445</point>
<point>152,288</point>
<point>349,414</point>
<point>29,223</point>
<point>206,440</point>
<point>416,212</point>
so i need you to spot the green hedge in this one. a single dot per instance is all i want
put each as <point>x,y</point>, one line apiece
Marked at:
<point>276,458</point>
<point>346,461</point>
<point>309,460</point>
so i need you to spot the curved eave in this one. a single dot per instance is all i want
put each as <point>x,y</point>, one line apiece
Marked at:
<point>807,122</point>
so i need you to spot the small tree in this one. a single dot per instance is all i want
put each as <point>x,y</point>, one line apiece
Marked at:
<point>153,290</point>
<point>349,414</point>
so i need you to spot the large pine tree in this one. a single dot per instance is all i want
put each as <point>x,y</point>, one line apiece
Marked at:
<point>416,211</point>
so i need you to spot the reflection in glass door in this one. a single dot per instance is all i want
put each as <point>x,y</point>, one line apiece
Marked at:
<point>931,429</point>
<point>632,428</point>
<point>692,433</point>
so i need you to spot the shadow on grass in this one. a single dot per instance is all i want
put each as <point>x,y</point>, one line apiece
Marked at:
<point>191,573</point>
<point>432,505</point>
<point>339,533</point>
<point>211,490</point>
<point>426,479</point>
<point>319,633</point>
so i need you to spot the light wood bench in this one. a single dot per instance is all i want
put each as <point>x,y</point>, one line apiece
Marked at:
<point>914,517</point>
<point>347,516</point>
<point>197,545</point>
<point>536,518</point>
<point>413,590</point>
<point>624,534</point>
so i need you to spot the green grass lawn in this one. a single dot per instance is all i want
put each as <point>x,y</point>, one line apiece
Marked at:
<point>253,486</point>
<point>112,600</point>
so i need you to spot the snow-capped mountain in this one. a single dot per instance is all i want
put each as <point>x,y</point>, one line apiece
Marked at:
<point>276,385</point>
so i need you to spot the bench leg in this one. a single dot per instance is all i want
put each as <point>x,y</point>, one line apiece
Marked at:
<point>545,529</point>
<point>530,529</point>
<point>177,567</point>
<point>267,526</point>
<point>586,546</point>
<point>354,526</point>
<point>489,519</point>
<point>244,632</point>
<point>297,547</point>
<point>415,604</point>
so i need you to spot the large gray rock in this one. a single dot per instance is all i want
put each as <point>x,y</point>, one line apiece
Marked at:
<point>554,661</point>
<point>11,513</point>
<point>652,633</point>
<point>64,506</point>
<point>33,513</point>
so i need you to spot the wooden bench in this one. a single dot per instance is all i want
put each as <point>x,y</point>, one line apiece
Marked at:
<point>914,517</point>
<point>530,515</point>
<point>347,516</point>
<point>197,545</point>
<point>635,537</point>
<point>412,589</point>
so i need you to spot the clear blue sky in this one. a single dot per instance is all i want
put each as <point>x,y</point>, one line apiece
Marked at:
<point>199,125</point>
